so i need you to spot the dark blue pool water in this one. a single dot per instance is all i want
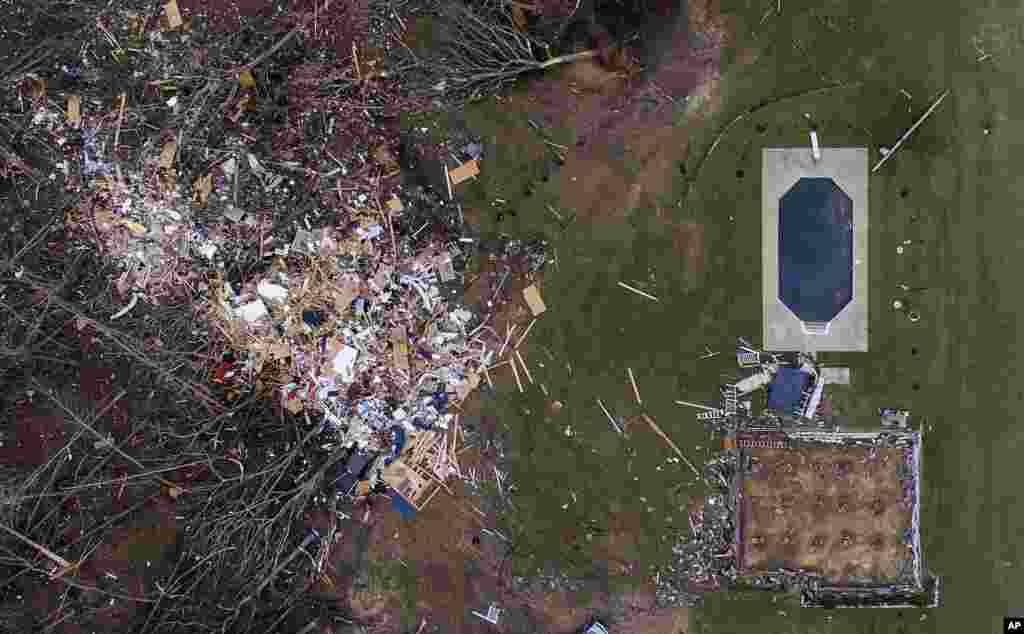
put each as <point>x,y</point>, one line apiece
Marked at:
<point>815,249</point>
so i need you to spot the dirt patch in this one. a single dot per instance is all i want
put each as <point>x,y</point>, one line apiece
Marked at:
<point>561,612</point>
<point>838,512</point>
<point>632,128</point>
<point>628,611</point>
<point>451,566</point>
<point>688,242</point>
<point>669,621</point>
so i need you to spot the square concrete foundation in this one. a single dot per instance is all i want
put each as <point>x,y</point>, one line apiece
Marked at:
<point>780,170</point>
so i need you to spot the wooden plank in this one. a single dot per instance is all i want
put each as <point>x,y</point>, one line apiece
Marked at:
<point>532,296</point>
<point>405,480</point>
<point>671,444</point>
<point>467,170</point>
<point>466,387</point>
<point>173,15</point>
<point>400,347</point>
<point>429,498</point>
<point>74,115</point>
<point>167,154</point>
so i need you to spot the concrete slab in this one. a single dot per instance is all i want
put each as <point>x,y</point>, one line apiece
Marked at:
<point>780,170</point>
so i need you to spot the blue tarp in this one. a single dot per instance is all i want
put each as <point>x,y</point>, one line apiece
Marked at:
<point>402,505</point>
<point>397,443</point>
<point>785,389</point>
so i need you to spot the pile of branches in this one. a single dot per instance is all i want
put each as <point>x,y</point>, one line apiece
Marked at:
<point>484,47</point>
<point>131,427</point>
<point>151,437</point>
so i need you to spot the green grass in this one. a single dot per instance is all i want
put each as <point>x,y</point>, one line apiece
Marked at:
<point>384,576</point>
<point>392,576</point>
<point>961,187</point>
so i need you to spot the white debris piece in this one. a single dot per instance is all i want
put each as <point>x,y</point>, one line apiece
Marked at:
<point>754,382</point>
<point>492,616</point>
<point>272,292</point>
<point>444,421</point>
<point>253,311</point>
<point>371,232</point>
<point>345,363</point>
<point>208,250</point>
<point>462,316</point>
<point>234,214</point>
<point>836,376</point>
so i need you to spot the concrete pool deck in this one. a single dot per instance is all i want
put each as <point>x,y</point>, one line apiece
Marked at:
<point>781,168</point>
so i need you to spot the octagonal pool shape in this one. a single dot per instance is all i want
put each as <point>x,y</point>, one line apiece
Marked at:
<point>815,249</point>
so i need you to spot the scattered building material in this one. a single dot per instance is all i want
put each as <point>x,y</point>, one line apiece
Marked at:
<point>400,347</point>
<point>835,376</point>
<point>754,382</point>
<point>406,481</point>
<point>515,373</point>
<point>636,392</point>
<point>697,405</point>
<point>682,456</point>
<point>638,291</point>
<point>173,15</point>
<point>526,332</point>
<point>907,134</point>
<point>525,369</point>
<point>74,112</point>
<point>533,300</point>
<point>492,616</point>
<point>611,420</point>
<point>466,171</point>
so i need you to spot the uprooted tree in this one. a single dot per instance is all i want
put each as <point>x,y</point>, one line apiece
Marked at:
<point>483,50</point>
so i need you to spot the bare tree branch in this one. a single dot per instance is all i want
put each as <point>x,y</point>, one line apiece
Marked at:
<point>483,51</point>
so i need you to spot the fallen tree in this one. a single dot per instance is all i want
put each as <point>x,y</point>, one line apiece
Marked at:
<point>483,50</point>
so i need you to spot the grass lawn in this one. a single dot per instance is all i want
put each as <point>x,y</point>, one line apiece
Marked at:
<point>950,189</point>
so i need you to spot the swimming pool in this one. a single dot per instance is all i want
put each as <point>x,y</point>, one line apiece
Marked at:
<point>815,249</point>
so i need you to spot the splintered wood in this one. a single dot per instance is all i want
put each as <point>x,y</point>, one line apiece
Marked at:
<point>432,457</point>
<point>638,291</point>
<point>202,189</point>
<point>636,392</point>
<point>515,373</point>
<point>611,419</point>
<point>523,336</point>
<point>671,444</point>
<point>525,369</point>
<point>406,481</point>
